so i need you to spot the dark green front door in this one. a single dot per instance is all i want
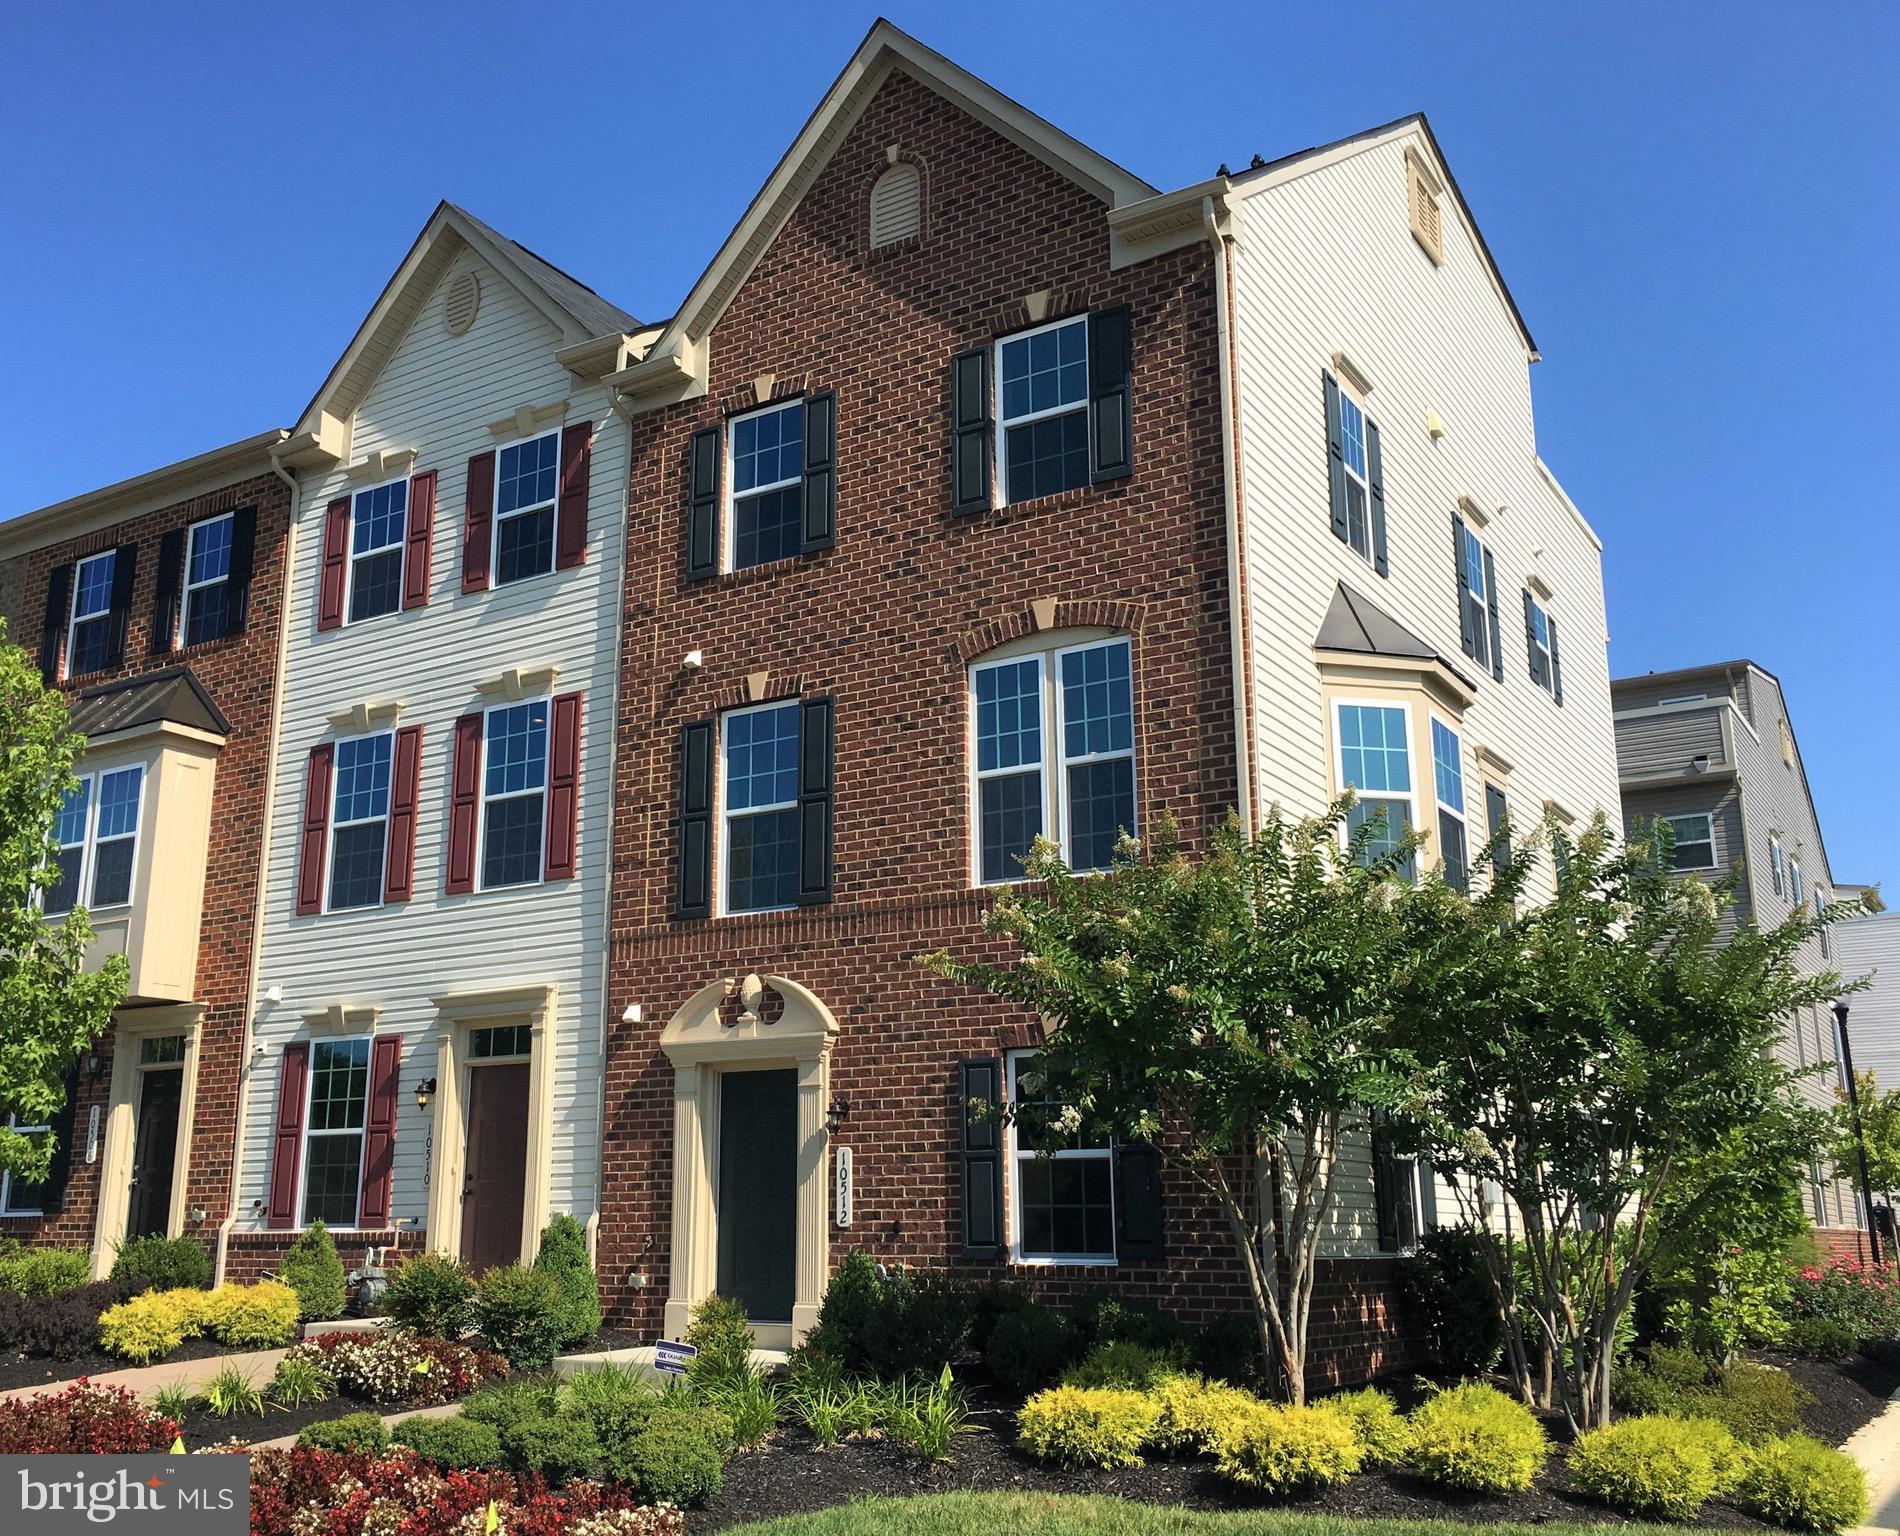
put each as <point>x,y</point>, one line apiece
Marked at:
<point>758,1187</point>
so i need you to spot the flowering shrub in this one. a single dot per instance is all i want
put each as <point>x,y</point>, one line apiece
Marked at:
<point>82,1420</point>
<point>1862,1298</point>
<point>399,1366</point>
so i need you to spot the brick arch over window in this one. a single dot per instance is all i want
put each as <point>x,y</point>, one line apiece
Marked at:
<point>1045,615</point>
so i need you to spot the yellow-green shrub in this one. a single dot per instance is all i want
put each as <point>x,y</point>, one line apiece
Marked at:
<point>1475,1438</point>
<point>1802,1483</point>
<point>1193,1410</point>
<point>154,1324</point>
<point>1383,1434</point>
<point>1727,1455</point>
<point>260,1316</point>
<point>1087,1426</point>
<point>1283,1449</point>
<point>1651,1466</point>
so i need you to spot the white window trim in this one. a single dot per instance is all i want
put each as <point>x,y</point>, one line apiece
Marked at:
<point>554,502</point>
<point>88,860</point>
<point>1542,610</point>
<point>74,618</point>
<point>1794,881</point>
<point>1463,817</point>
<point>1476,589</point>
<point>183,627</point>
<point>999,471</point>
<point>1013,1063</point>
<point>353,558</point>
<point>1055,761</point>
<point>1348,395</point>
<point>1707,818</point>
<point>361,1132</point>
<point>6,1180</point>
<point>1412,760</point>
<point>1776,877</point>
<point>729,513</point>
<point>722,894</point>
<point>336,787</point>
<point>483,799</point>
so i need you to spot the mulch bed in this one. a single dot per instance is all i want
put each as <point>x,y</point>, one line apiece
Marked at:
<point>202,1428</point>
<point>1846,1395</point>
<point>36,1371</point>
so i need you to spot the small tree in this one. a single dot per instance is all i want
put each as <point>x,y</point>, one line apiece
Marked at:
<point>312,1269</point>
<point>1234,1011</point>
<point>564,1256</point>
<point>51,1008</point>
<point>1880,1127</point>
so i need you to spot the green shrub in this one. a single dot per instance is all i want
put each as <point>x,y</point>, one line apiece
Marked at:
<point>1654,1468</point>
<point>518,1314</point>
<point>1727,1455</point>
<point>153,1323</point>
<point>312,1269</point>
<point>1088,1426</point>
<point>301,1380</point>
<point>1677,1366</point>
<point>1799,1482</point>
<point>42,1272</point>
<point>1028,1348</point>
<point>1227,1348</point>
<point>1123,1363</point>
<point>1821,1338</point>
<point>1446,1296</point>
<point>560,1447</point>
<point>509,1402</point>
<point>433,1294</point>
<point>1756,1402</point>
<point>454,1442</point>
<point>1279,1448</point>
<point>721,1333</point>
<point>1103,1316</point>
<point>1192,1413</point>
<point>902,1324</point>
<point>1474,1438</point>
<point>616,1400</point>
<point>749,1404</point>
<point>351,1432</point>
<point>260,1316</point>
<point>564,1256</point>
<point>1380,1428</point>
<point>162,1264</point>
<point>678,1458</point>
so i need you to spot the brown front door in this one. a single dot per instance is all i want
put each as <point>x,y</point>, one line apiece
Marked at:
<point>495,1171</point>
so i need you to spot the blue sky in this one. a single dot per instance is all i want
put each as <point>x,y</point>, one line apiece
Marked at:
<point>1696,206</point>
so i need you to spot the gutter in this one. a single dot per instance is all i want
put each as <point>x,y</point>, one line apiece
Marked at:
<point>1236,567</point>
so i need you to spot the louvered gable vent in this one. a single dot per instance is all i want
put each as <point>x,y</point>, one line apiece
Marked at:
<point>896,205</point>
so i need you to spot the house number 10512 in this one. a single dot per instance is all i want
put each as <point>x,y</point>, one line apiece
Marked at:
<point>841,1197</point>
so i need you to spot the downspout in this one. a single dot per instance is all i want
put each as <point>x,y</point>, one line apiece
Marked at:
<point>1230,484</point>
<point>245,1059</point>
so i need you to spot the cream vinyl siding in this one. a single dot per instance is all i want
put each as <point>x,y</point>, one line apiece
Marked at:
<point>437,394</point>
<point>1871,946</point>
<point>1326,262</point>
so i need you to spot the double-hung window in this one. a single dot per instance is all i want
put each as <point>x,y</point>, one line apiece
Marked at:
<point>97,830</point>
<point>1352,448</point>
<point>1774,863</point>
<point>1794,881</point>
<point>1448,784</point>
<point>1062,1175</point>
<point>514,793</point>
<point>1475,593</point>
<point>759,807</point>
<point>359,821</point>
<point>333,1131</point>
<point>1375,762</point>
<point>527,482</point>
<point>89,636</point>
<point>207,579</point>
<point>1820,916</point>
<point>1540,640</point>
<point>21,1197</point>
<point>1694,841</point>
<point>767,515</point>
<point>378,521</point>
<point>1054,739</point>
<point>1042,384</point>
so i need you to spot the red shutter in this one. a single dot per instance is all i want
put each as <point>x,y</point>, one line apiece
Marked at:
<point>478,525</point>
<point>405,788</point>
<point>336,563</point>
<point>570,512</point>
<point>464,804</point>
<point>316,829</point>
<point>379,1138</point>
<point>564,785</point>
<point>287,1139</point>
<point>421,545</point>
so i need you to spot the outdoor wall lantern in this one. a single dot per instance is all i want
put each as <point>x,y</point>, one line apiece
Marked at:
<point>835,1115</point>
<point>425,1093</point>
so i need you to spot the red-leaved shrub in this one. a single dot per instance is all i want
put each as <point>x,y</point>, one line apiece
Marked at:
<point>82,1420</point>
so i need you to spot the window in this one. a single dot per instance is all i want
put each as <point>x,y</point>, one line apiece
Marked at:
<point>1474,622</point>
<point>1774,863</point>
<point>1448,782</point>
<point>207,579</point>
<point>161,1050</point>
<point>1695,841</point>
<point>1794,881</point>
<point>1053,760</point>
<point>514,793</point>
<point>768,465</point>
<point>97,830</point>
<point>89,640</point>
<point>527,481</point>
<point>377,523</point>
<point>1042,381</point>
<point>1820,913</point>
<point>759,807</point>
<point>333,1131</point>
<point>1062,1201</point>
<point>1375,761</point>
<point>1538,636</point>
<point>20,1197</point>
<point>1352,447</point>
<point>359,821</point>
<point>499,1040</point>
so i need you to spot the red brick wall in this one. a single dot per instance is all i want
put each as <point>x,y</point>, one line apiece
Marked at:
<point>239,672</point>
<point>1843,1243</point>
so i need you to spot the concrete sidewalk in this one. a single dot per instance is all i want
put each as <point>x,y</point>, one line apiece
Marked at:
<point>1876,1446</point>
<point>260,1365</point>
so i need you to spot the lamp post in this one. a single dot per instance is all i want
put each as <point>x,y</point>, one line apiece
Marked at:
<point>1860,1141</point>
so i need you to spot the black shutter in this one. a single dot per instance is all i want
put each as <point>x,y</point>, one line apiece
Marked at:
<point>1531,647</point>
<point>814,801</point>
<point>1375,477</point>
<point>696,796</point>
<point>1336,458</point>
<point>59,601</point>
<point>1497,820</point>
<point>1491,605</point>
<point>1556,661</point>
<point>171,589</point>
<point>821,472</point>
<point>1393,1190</point>
<point>981,1080</point>
<point>53,1191</point>
<point>1111,394</point>
<point>702,511</point>
<point>125,564</point>
<point>970,418</point>
<point>237,590</point>
<point>1427,1195</point>
<point>1138,1224</point>
<point>1466,637</point>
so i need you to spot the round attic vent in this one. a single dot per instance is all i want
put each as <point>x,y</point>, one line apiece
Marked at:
<point>458,308</point>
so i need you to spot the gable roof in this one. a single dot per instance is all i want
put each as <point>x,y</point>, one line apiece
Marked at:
<point>172,697</point>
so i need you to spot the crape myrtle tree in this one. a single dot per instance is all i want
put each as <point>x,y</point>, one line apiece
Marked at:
<point>51,1008</point>
<point>1235,1010</point>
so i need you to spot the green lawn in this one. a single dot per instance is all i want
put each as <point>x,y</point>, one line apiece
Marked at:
<point>1044,1514</point>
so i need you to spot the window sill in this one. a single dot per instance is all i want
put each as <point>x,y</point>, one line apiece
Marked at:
<point>749,573</point>
<point>1033,1261</point>
<point>1007,511</point>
